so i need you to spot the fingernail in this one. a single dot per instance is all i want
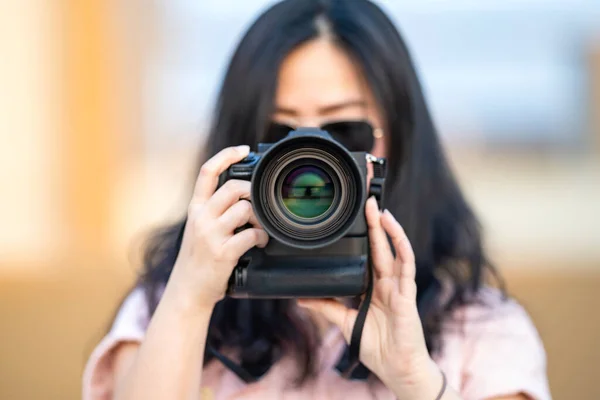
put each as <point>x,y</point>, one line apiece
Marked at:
<point>301,303</point>
<point>244,149</point>
<point>386,211</point>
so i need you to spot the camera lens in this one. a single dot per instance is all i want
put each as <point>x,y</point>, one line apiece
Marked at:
<point>307,192</point>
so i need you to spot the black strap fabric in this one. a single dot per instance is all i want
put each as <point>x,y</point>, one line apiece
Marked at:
<point>376,189</point>
<point>443,389</point>
<point>231,365</point>
<point>359,324</point>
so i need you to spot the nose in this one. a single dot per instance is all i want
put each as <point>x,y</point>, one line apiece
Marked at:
<point>307,122</point>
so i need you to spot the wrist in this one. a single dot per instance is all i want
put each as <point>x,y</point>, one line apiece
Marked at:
<point>186,300</point>
<point>424,383</point>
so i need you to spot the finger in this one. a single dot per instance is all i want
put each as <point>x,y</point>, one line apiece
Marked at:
<point>243,241</point>
<point>238,215</point>
<point>405,258</point>
<point>335,312</point>
<point>381,255</point>
<point>400,241</point>
<point>227,195</point>
<point>208,178</point>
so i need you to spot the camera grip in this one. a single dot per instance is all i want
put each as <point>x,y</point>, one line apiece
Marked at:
<point>299,278</point>
<point>242,170</point>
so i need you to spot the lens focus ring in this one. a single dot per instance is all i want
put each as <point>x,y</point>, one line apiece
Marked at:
<point>308,194</point>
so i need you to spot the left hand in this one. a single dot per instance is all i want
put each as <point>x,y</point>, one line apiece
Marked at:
<point>393,344</point>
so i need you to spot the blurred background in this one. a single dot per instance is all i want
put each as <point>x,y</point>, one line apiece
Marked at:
<point>103,108</point>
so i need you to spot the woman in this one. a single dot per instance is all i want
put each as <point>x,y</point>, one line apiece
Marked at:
<point>434,330</point>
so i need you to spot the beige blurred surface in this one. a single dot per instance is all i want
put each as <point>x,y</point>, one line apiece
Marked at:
<point>79,188</point>
<point>51,325</point>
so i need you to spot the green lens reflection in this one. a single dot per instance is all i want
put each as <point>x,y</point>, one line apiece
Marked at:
<point>307,192</point>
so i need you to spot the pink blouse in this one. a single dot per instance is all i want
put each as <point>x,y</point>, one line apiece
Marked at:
<point>488,351</point>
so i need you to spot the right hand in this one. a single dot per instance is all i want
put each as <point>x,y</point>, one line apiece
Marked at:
<point>210,249</point>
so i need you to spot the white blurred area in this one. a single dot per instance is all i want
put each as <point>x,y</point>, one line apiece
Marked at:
<point>29,117</point>
<point>512,85</point>
<point>505,71</point>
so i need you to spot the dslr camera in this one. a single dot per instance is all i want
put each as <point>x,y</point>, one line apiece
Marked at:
<point>308,193</point>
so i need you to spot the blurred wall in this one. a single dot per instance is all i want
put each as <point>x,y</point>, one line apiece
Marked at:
<point>84,173</point>
<point>65,82</point>
<point>29,127</point>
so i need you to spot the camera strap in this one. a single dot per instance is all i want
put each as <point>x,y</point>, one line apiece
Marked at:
<point>237,369</point>
<point>376,189</point>
<point>359,324</point>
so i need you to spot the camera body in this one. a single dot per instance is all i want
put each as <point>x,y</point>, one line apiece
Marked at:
<point>309,193</point>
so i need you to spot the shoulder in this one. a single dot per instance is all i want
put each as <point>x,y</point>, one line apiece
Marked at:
<point>491,314</point>
<point>132,315</point>
<point>129,326</point>
<point>501,351</point>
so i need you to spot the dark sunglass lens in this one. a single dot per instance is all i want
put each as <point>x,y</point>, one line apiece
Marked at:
<point>276,132</point>
<point>354,135</point>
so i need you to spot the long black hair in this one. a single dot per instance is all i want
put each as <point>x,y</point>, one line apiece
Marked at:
<point>421,190</point>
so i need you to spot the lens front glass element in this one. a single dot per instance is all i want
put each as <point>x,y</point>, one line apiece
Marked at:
<point>307,192</point>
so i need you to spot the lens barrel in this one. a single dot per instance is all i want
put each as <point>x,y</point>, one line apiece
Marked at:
<point>307,190</point>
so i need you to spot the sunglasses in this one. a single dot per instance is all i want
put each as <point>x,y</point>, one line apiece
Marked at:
<point>353,135</point>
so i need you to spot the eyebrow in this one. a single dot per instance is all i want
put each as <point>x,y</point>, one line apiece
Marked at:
<point>325,109</point>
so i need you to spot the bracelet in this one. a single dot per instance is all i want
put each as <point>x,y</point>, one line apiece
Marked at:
<point>443,389</point>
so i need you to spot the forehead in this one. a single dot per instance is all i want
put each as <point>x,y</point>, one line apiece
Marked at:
<point>317,74</point>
